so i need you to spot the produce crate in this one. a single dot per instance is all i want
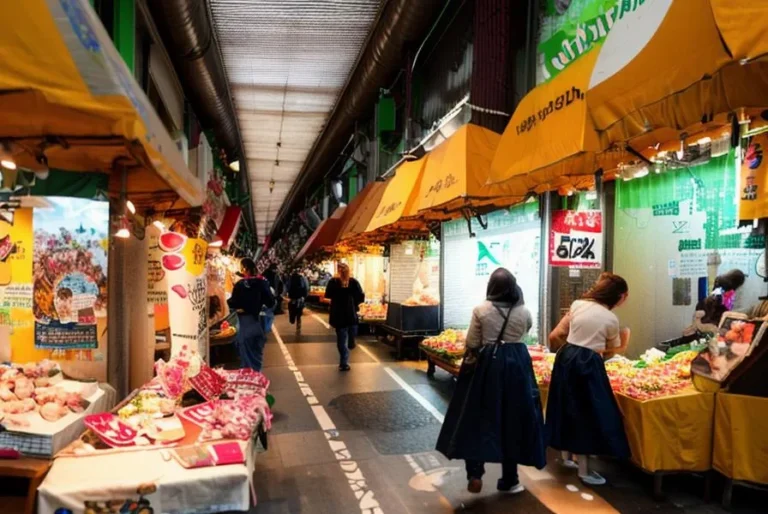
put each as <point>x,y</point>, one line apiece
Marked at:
<point>408,319</point>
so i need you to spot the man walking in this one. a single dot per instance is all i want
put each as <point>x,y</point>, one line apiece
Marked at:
<point>298,290</point>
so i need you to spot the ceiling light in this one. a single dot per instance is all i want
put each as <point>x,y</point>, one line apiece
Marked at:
<point>234,165</point>
<point>123,228</point>
<point>641,172</point>
<point>159,225</point>
<point>131,208</point>
<point>217,243</point>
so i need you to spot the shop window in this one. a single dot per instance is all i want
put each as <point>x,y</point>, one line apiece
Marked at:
<point>674,233</point>
<point>512,240</point>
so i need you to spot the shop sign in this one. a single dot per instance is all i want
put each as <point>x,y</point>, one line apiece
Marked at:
<point>184,264</point>
<point>576,239</point>
<point>571,28</point>
<point>753,203</point>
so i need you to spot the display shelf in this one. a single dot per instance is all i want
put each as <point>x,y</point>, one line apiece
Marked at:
<point>434,362</point>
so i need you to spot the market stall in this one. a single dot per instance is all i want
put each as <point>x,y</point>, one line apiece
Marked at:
<point>184,442</point>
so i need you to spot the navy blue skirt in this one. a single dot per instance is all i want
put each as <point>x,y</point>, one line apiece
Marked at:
<point>495,414</point>
<point>582,414</point>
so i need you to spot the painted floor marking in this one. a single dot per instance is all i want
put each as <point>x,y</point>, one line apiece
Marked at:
<point>364,494</point>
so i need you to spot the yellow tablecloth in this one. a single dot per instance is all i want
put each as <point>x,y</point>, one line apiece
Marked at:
<point>672,433</point>
<point>741,437</point>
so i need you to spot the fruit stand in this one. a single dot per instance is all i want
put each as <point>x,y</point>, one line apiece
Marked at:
<point>409,323</point>
<point>445,351</point>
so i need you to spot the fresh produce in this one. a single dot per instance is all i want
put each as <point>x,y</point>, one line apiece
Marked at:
<point>422,299</point>
<point>373,311</point>
<point>449,345</point>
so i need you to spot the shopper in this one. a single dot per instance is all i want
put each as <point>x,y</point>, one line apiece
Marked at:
<point>583,418</point>
<point>345,295</point>
<point>249,295</point>
<point>495,414</point>
<point>723,296</point>
<point>297,286</point>
<point>273,277</point>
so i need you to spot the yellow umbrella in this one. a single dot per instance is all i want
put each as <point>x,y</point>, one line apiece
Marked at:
<point>456,176</point>
<point>667,64</point>
<point>399,201</point>
<point>67,94</point>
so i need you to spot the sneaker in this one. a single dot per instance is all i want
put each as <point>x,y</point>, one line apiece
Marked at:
<point>475,485</point>
<point>592,478</point>
<point>570,464</point>
<point>345,367</point>
<point>515,488</point>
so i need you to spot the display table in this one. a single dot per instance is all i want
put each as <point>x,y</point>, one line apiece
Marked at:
<point>33,470</point>
<point>740,449</point>
<point>116,477</point>
<point>670,434</point>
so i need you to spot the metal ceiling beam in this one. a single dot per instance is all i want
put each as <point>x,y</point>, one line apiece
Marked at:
<point>400,23</point>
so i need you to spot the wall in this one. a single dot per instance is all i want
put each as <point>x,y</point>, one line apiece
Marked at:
<point>512,240</point>
<point>667,226</point>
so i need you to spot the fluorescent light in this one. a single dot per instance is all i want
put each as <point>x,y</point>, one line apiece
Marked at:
<point>159,225</point>
<point>7,163</point>
<point>123,233</point>
<point>216,244</point>
<point>130,206</point>
<point>234,165</point>
<point>6,157</point>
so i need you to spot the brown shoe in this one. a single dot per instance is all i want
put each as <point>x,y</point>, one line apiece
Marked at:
<point>475,485</point>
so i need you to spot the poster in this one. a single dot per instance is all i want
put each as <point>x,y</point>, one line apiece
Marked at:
<point>576,239</point>
<point>753,202</point>
<point>16,320</point>
<point>183,262</point>
<point>70,275</point>
<point>157,284</point>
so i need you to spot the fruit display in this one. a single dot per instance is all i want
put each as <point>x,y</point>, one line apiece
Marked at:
<point>448,346</point>
<point>373,311</point>
<point>317,291</point>
<point>224,331</point>
<point>420,300</point>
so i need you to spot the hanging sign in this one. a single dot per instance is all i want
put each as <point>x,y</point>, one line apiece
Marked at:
<point>576,239</point>
<point>753,203</point>
<point>183,261</point>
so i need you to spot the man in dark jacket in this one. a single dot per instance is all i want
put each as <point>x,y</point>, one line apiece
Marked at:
<point>273,277</point>
<point>298,290</point>
<point>249,295</point>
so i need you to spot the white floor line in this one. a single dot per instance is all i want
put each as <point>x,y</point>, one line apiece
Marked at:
<point>416,396</point>
<point>369,353</point>
<point>321,320</point>
<point>364,494</point>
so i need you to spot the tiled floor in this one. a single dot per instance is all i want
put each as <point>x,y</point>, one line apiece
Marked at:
<point>358,442</point>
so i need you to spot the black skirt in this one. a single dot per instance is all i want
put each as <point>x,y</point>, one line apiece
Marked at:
<point>582,414</point>
<point>495,414</point>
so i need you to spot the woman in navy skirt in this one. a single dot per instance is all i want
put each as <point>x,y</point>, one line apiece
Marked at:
<point>583,417</point>
<point>495,414</point>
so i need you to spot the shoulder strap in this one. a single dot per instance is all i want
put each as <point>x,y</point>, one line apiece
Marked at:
<point>500,337</point>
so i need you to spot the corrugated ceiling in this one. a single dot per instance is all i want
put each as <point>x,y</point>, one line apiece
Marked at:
<point>287,62</point>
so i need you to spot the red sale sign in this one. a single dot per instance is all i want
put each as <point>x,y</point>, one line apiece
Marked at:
<point>576,239</point>
<point>208,383</point>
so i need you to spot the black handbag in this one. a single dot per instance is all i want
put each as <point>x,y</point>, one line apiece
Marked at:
<point>471,356</point>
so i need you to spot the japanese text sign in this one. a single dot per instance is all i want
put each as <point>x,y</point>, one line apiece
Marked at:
<point>576,239</point>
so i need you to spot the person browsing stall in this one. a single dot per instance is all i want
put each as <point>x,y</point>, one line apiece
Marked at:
<point>583,417</point>
<point>495,414</point>
<point>249,295</point>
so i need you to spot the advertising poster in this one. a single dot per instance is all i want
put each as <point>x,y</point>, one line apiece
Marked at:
<point>16,320</point>
<point>753,203</point>
<point>183,262</point>
<point>70,276</point>
<point>576,239</point>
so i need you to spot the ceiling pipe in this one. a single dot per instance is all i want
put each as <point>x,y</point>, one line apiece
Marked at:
<point>401,22</point>
<point>187,33</point>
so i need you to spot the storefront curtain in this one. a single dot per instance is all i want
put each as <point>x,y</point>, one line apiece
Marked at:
<point>91,186</point>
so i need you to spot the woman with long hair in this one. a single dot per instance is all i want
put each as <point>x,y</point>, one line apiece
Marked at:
<point>345,295</point>
<point>495,414</point>
<point>249,295</point>
<point>583,417</point>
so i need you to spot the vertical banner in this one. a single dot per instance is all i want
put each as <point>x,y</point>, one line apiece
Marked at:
<point>157,283</point>
<point>183,262</point>
<point>16,320</point>
<point>70,277</point>
<point>753,202</point>
<point>576,239</point>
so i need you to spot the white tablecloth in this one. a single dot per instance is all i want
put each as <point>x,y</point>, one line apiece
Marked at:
<point>75,480</point>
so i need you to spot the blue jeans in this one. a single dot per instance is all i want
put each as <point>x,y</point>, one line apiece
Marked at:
<point>345,336</point>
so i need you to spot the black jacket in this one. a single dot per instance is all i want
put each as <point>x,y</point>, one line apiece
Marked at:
<point>344,302</point>
<point>250,295</point>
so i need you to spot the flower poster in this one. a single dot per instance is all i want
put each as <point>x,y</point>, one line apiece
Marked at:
<point>70,275</point>
<point>183,262</point>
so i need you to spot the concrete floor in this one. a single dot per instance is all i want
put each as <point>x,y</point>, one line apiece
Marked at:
<point>363,442</point>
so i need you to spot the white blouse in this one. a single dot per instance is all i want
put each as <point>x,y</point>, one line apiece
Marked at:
<point>593,326</point>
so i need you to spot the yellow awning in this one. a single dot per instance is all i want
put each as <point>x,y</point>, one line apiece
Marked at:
<point>66,91</point>
<point>400,198</point>
<point>366,203</point>
<point>456,175</point>
<point>664,65</point>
